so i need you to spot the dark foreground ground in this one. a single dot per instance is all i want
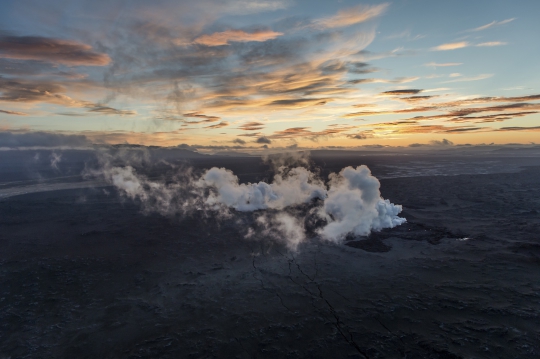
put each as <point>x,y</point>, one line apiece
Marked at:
<point>84,274</point>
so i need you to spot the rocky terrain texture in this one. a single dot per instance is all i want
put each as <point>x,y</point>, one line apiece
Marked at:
<point>84,274</point>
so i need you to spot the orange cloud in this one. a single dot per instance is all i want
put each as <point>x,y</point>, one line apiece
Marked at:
<point>451,46</point>
<point>305,132</point>
<point>223,38</point>
<point>410,127</point>
<point>352,16</point>
<point>457,111</point>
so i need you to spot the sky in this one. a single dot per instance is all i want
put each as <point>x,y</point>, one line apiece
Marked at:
<point>241,74</point>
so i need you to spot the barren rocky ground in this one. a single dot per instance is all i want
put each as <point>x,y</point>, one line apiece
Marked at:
<point>84,274</point>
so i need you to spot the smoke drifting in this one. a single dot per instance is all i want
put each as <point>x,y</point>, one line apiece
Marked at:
<point>55,160</point>
<point>349,203</point>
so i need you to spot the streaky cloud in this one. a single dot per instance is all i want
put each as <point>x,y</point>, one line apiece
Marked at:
<point>472,78</point>
<point>451,46</point>
<point>443,64</point>
<point>491,24</point>
<point>66,52</point>
<point>228,36</point>
<point>492,43</point>
<point>352,16</point>
<point>17,113</point>
<point>218,125</point>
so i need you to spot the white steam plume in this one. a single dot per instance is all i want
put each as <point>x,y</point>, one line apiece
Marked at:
<point>354,205</point>
<point>179,195</point>
<point>351,204</point>
<point>296,187</point>
<point>281,227</point>
<point>55,160</point>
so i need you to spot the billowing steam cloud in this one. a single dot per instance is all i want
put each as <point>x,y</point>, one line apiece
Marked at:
<point>298,186</point>
<point>350,203</point>
<point>354,205</point>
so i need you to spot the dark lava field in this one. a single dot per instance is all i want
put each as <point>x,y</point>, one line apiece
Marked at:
<point>85,274</point>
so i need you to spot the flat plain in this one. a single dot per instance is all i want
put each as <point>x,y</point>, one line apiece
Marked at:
<point>85,274</point>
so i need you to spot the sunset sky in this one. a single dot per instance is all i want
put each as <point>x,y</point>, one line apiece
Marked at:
<point>275,73</point>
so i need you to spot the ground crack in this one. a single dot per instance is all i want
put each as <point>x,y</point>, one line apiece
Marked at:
<point>274,291</point>
<point>340,326</point>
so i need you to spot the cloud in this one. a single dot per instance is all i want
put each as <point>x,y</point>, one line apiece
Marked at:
<point>72,114</point>
<point>66,52</point>
<point>361,135</point>
<point>252,126</point>
<point>218,125</point>
<point>398,80</point>
<point>225,37</point>
<point>352,16</point>
<point>15,90</point>
<point>464,129</point>
<point>239,141</point>
<point>299,102</point>
<point>451,46</point>
<point>13,113</point>
<point>492,43</point>
<point>215,67</point>
<point>444,64</point>
<point>406,127</point>
<point>463,44</point>
<point>459,110</point>
<point>519,128</point>
<point>252,134</point>
<point>203,118</point>
<point>414,99</point>
<point>41,139</point>
<point>401,92</point>
<point>264,140</point>
<point>498,117</point>
<point>16,67</point>
<point>472,78</point>
<point>491,24</point>
<point>444,142</point>
<point>106,110</point>
<point>296,70</point>
<point>438,143</point>
<point>305,132</point>
<point>244,7</point>
<point>365,55</point>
